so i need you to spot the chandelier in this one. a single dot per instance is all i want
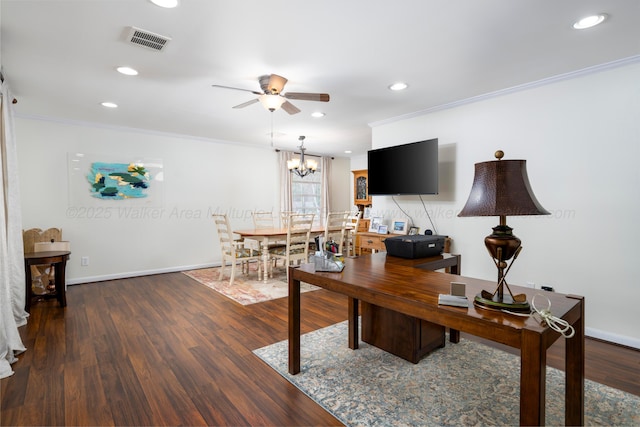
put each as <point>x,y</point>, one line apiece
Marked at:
<point>302,167</point>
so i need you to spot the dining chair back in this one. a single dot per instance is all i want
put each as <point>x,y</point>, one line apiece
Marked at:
<point>233,250</point>
<point>284,218</point>
<point>262,219</point>
<point>334,230</point>
<point>353,221</point>
<point>296,249</point>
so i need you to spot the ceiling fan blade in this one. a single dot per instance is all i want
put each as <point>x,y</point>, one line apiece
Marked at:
<point>237,88</point>
<point>276,84</point>
<point>322,97</point>
<point>290,108</point>
<point>246,104</point>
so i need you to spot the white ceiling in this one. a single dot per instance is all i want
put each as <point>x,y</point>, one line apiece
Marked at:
<point>59,58</point>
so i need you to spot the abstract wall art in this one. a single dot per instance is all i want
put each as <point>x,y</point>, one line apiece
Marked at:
<point>117,181</point>
<point>107,180</point>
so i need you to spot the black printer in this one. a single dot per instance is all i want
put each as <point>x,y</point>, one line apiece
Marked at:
<point>416,246</point>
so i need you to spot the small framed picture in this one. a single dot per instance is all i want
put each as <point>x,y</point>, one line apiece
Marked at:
<point>414,231</point>
<point>399,226</point>
<point>383,229</point>
<point>375,223</point>
<point>367,212</point>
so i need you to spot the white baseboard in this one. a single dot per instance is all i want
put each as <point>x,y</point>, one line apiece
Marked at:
<point>91,279</point>
<point>611,337</point>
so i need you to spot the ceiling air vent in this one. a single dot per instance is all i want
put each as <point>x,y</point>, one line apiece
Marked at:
<point>147,39</point>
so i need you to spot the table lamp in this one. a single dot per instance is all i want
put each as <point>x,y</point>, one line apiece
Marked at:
<point>501,188</point>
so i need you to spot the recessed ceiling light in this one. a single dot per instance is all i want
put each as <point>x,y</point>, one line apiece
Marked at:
<point>347,151</point>
<point>165,3</point>
<point>317,114</point>
<point>109,105</point>
<point>127,71</point>
<point>398,86</point>
<point>589,21</point>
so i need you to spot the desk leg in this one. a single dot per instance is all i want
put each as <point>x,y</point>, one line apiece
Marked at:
<point>454,335</point>
<point>294,324</point>
<point>533,371</point>
<point>28,291</point>
<point>457,268</point>
<point>574,368</point>
<point>354,339</point>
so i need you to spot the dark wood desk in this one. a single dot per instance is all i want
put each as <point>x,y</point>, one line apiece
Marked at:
<point>56,258</point>
<point>390,283</point>
<point>405,336</point>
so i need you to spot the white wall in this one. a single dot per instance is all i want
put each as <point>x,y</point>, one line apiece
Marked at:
<point>125,238</point>
<point>581,140</point>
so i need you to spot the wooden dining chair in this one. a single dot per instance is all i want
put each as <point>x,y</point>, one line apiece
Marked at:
<point>284,218</point>
<point>335,230</point>
<point>262,219</point>
<point>296,249</point>
<point>233,250</point>
<point>266,219</point>
<point>353,221</point>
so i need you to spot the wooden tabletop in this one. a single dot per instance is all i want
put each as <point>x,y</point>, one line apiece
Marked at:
<point>30,256</point>
<point>280,231</point>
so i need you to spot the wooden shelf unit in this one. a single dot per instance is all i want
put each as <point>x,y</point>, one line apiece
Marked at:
<point>361,197</point>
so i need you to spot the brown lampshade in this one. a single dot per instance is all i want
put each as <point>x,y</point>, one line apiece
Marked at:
<point>501,188</point>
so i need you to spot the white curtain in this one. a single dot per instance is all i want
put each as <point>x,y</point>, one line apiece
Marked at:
<point>285,181</point>
<point>12,277</point>
<point>325,164</point>
<point>286,202</point>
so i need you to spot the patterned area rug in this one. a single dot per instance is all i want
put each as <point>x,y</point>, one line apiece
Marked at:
<point>246,289</point>
<point>370,387</point>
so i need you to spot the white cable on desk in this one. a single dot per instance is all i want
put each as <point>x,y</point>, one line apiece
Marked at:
<point>555,323</point>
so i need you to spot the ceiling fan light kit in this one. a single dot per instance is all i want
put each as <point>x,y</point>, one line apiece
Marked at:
<point>272,97</point>
<point>271,102</point>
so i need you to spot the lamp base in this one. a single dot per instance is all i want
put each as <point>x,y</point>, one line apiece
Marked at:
<point>505,303</point>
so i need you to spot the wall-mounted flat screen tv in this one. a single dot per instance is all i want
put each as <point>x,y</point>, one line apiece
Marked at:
<point>404,169</point>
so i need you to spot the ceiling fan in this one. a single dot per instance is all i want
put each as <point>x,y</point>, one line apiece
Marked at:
<point>272,97</point>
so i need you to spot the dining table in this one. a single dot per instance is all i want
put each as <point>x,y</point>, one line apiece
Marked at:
<point>268,236</point>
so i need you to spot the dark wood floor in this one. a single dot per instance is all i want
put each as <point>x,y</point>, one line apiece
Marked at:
<point>165,350</point>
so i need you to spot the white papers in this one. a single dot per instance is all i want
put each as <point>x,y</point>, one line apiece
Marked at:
<point>456,301</point>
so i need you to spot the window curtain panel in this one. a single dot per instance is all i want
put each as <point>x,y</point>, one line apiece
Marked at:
<point>325,165</point>
<point>12,276</point>
<point>286,204</point>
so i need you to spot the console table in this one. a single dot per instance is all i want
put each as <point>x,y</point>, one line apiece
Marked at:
<point>391,283</point>
<point>56,258</point>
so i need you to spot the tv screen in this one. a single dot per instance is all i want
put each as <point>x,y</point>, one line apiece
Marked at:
<point>404,169</point>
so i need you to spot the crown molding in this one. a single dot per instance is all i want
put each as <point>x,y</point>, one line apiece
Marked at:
<point>543,82</point>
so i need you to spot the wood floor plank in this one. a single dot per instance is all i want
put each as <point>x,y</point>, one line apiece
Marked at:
<point>166,350</point>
